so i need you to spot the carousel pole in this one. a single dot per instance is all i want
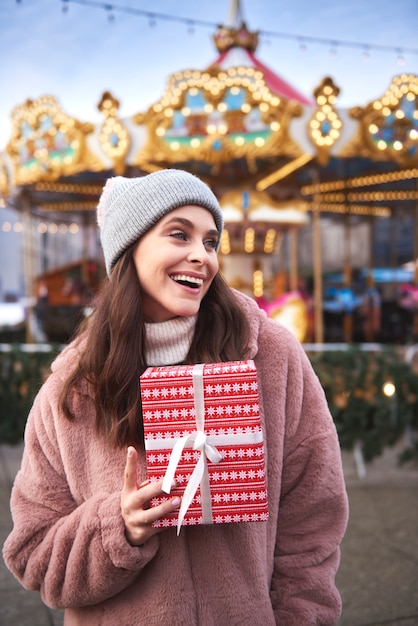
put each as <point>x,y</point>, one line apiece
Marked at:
<point>28,266</point>
<point>348,315</point>
<point>415,248</point>
<point>317,263</point>
<point>293,244</point>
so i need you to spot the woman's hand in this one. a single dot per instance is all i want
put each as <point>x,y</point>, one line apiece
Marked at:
<point>134,503</point>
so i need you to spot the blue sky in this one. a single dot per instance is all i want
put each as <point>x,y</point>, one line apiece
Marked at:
<point>78,55</point>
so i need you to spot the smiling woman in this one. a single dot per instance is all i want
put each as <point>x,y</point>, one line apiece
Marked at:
<point>176,381</point>
<point>176,262</point>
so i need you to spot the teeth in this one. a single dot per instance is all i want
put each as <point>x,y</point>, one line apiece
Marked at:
<point>187,279</point>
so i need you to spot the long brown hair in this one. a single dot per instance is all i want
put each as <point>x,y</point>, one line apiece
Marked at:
<point>112,355</point>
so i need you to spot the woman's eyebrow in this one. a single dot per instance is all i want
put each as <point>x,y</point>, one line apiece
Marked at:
<point>180,220</point>
<point>185,222</point>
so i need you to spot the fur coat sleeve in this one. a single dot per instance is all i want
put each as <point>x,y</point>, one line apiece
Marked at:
<point>68,540</point>
<point>304,467</point>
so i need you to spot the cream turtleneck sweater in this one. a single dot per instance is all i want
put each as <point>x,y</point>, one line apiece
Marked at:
<point>167,343</point>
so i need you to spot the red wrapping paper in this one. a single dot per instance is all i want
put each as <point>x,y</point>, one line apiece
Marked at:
<point>213,407</point>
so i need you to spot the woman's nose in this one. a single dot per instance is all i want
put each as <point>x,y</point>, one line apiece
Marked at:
<point>198,253</point>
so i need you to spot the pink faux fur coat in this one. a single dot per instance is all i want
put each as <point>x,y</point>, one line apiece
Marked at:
<point>68,539</point>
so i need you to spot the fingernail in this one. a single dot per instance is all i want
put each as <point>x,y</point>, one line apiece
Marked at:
<point>176,501</point>
<point>130,451</point>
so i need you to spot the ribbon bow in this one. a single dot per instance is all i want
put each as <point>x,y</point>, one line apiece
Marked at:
<point>198,439</point>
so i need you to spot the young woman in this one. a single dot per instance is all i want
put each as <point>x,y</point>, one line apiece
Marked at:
<point>83,528</point>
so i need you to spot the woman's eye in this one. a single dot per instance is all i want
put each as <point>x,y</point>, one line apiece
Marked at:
<point>211,243</point>
<point>179,235</point>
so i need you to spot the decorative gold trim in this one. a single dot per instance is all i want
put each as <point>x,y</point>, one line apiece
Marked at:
<point>68,206</point>
<point>360,181</point>
<point>325,125</point>
<point>4,178</point>
<point>284,171</point>
<point>57,187</point>
<point>257,207</point>
<point>217,116</point>
<point>114,138</point>
<point>46,143</point>
<point>226,38</point>
<point>388,127</point>
<point>354,209</point>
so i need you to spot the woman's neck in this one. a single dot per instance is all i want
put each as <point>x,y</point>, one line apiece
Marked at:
<point>168,343</point>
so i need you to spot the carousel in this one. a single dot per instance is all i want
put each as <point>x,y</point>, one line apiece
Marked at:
<point>307,188</point>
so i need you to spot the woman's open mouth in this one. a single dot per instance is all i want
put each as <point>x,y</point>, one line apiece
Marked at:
<point>187,281</point>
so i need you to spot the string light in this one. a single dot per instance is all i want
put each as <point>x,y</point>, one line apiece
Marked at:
<point>110,15</point>
<point>303,40</point>
<point>42,228</point>
<point>366,54</point>
<point>302,45</point>
<point>333,48</point>
<point>400,59</point>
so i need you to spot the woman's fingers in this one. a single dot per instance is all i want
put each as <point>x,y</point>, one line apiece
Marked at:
<point>131,469</point>
<point>138,516</point>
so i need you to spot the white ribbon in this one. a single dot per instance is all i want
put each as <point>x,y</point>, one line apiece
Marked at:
<point>198,439</point>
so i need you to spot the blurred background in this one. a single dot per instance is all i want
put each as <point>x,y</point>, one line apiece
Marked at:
<point>303,119</point>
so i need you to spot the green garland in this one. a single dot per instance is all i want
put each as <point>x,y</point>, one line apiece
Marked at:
<point>21,375</point>
<point>353,381</point>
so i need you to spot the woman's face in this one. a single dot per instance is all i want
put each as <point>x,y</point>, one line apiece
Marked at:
<point>176,261</point>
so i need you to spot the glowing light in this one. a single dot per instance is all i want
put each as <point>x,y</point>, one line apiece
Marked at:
<point>389,389</point>
<point>258,287</point>
<point>225,246</point>
<point>249,240</point>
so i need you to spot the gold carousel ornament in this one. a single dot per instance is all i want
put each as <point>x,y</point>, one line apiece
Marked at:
<point>324,128</point>
<point>114,138</point>
<point>46,143</point>
<point>388,127</point>
<point>230,111</point>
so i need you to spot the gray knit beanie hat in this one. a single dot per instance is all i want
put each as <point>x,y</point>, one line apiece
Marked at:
<point>128,207</point>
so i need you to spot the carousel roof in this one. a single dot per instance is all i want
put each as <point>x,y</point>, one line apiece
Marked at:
<point>237,47</point>
<point>239,56</point>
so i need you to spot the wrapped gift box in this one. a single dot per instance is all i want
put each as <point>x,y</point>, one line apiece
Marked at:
<point>202,429</point>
